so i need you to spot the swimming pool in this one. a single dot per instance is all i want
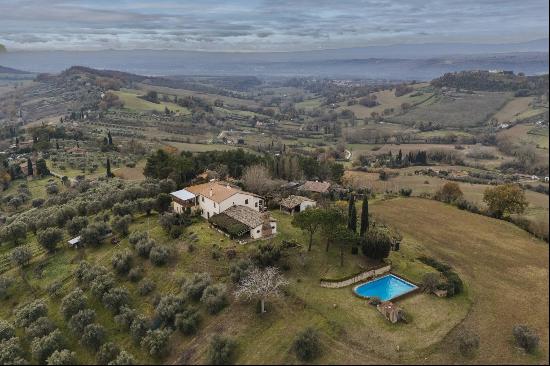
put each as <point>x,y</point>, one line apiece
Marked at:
<point>385,288</point>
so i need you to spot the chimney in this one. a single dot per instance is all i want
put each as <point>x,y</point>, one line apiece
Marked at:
<point>211,192</point>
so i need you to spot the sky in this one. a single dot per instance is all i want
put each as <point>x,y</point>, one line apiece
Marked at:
<point>248,25</point>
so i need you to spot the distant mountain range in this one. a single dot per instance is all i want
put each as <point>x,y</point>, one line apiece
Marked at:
<point>395,62</point>
<point>9,70</point>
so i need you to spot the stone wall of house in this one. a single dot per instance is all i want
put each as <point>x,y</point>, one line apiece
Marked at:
<point>357,278</point>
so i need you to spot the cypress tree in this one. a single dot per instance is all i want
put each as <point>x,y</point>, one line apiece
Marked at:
<point>109,138</point>
<point>352,214</point>
<point>364,216</point>
<point>109,174</point>
<point>30,171</point>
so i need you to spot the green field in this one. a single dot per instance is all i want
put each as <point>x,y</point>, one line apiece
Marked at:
<point>468,110</point>
<point>131,100</point>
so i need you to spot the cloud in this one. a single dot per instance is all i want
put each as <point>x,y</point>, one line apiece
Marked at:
<point>251,25</point>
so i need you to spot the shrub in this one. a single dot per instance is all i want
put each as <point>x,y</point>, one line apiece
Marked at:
<point>135,274</point>
<point>221,350</point>
<point>102,284</point>
<point>121,225</point>
<point>194,286</point>
<point>188,321</point>
<point>468,342</point>
<point>76,224</point>
<point>454,284</point>
<point>450,192</point>
<point>49,238</point>
<point>143,247</point>
<point>21,256</point>
<point>125,317</point>
<point>405,192</point>
<point>137,236</point>
<point>307,345</point>
<point>115,299</point>
<point>94,234</point>
<point>63,357</point>
<point>167,308</point>
<point>430,282</point>
<point>122,262</point>
<point>85,273</point>
<point>107,353</point>
<point>29,313</point>
<point>93,336</point>
<point>239,270</point>
<point>43,347</point>
<point>81,320</point>
<point>159,255</point>
<point>73,303</point>
<point>123,358</point>
<point>146,287</point>
<point>11,352</point>
<point>376,244</point>
<point>156,342</point>
<point>41,327</point>
<point>215,298</point>
<point>266,254</point>
<point>139,328</point>
<point>526,338</point>
<point>7,330</point>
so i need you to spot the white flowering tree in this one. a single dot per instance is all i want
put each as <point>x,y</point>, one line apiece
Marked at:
<point>261,284</point>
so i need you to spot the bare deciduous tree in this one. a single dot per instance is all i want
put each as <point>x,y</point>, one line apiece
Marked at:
<point>257,179</point>
<point>261,284</point>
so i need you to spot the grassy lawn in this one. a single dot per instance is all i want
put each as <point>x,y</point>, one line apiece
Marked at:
<point>506,271</point>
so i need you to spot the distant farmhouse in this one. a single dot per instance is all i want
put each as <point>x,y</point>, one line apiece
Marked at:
<point>315,187</point>
<point>294,204</point>
<point>228,208</point>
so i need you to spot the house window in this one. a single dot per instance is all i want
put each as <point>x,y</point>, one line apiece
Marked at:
<point>257,231</point>
<point>214,204</point>
<point>246,201</point>
<point>256,204</point>
<point>202,199</point>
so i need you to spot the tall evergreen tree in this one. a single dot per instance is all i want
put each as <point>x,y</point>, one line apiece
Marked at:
<point>352,214</point>
<point>364,216</point>
<point>30,171</point>
<point>109,138</point>
<point>109,173</point>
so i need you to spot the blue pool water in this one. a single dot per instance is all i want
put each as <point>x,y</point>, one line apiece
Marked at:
<point>385,288</point>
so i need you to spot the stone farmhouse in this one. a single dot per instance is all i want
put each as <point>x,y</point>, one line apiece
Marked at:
<point>228,208</point>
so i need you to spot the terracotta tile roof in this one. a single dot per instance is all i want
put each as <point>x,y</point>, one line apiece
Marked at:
<point>245,215</point>
<point>293,201</point>
<point>315,186</point>
<point>216,191</point>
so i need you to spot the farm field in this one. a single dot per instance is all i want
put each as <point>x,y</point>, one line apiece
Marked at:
<point>467,152</point>
<point>387,99</point>
<point>207,96</point>
<point>497,261</point>
<point>131,100</point>
<point>538,208</point>
<point>511,110</point>
<point>185,146</point>
<point>469,110</point>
